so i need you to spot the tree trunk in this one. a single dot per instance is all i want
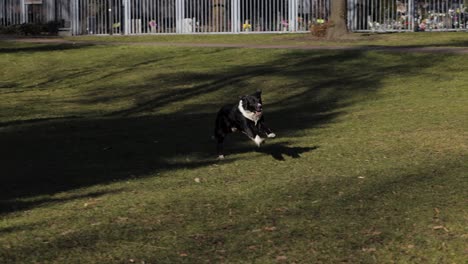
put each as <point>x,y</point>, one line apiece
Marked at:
<point>218,7</point>
<point>338,19</point>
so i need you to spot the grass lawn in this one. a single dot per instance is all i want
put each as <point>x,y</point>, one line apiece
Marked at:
<point>427,39</point>
<point>107,157</point>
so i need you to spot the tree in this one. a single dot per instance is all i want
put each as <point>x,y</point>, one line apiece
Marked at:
<point>338,20</point>
<point>218,9</point>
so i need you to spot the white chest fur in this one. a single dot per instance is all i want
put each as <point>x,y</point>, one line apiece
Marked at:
<point>248,114</point>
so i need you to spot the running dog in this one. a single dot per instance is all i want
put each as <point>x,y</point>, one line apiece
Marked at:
<point>246,117</point>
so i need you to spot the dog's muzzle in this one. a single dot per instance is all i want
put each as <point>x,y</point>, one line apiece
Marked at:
<point>258,109</point>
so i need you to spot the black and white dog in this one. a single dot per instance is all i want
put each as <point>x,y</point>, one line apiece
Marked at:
<point>246,117</point>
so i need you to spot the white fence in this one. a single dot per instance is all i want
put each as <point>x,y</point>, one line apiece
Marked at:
<point>407,15</point>
<point>87,17</point>
<point>195,16</point>
<point>14,12</point>
<point>91,17</point>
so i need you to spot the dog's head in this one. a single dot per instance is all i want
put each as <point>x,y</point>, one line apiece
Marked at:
<point>253,103</point>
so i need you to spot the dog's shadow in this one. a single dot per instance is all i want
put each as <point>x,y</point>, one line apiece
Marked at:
<point>279,150</point>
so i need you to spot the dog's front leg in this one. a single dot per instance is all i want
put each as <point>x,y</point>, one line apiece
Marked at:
<point>266,130</point>
<point>254,136</point>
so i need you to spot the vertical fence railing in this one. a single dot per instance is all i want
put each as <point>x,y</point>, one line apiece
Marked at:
<point>11,12</point>
<point>98,17</point>
<point>380,15</point>
<point>170,16</point>
<point>150,16</point>
<point>264,16</point>
<point>234,16</point>
<point>311,12</point>
<point>407,15</point>
<point>40,13</point>
<point>440,15</point>
<point>218,16</point>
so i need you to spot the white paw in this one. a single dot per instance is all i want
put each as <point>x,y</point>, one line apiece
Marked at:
<point>258,140</point>
<point>271,135</point>
<point>220,157</point>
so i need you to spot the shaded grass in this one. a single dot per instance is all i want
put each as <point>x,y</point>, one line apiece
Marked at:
<point>425,39</point>
<point>108,158</point>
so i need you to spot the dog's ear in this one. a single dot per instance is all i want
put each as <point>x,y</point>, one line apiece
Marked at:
<point>258,94</point>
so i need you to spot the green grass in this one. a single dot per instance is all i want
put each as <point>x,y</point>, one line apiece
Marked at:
<point>107,157</point>
<point>436,39</point>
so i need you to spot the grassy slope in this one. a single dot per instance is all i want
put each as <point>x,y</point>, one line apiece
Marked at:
<point>107,156</point>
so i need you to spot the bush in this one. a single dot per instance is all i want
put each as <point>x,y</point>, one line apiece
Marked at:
<point>31,29</point>
<point>320,30</point>
<point>10,30</point>
<point>50,28</point>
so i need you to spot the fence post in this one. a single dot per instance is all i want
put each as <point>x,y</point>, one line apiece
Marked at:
<point>110,18</point>
<point>349,15</point>
<point>180,10</point>
<point>126,16</point>
<point>235,16</point>
<point>412,10</point>
<point>292,13</point>
<point>23,16</point>
<point>50,10</point>
<point>74,17</point>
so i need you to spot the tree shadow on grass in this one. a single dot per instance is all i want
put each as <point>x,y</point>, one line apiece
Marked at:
<point>60,155</point>
<point>11,206</point>
<point>43,158</point>
<point>43,48</point>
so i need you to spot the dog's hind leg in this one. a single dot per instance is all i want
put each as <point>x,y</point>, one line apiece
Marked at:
<point>222,128</point>
<point>220,147</point>
<point>219,137</point>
